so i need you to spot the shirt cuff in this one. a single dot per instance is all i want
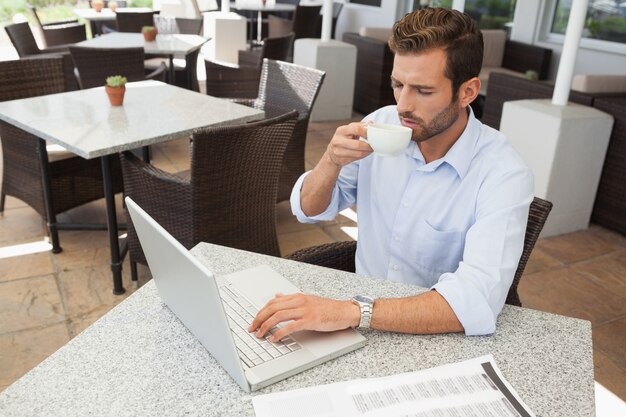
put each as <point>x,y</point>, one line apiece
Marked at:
<point>468,304</point>
<point>329,214</point>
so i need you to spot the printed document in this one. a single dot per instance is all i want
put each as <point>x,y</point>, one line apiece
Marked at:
<point>474,387</point>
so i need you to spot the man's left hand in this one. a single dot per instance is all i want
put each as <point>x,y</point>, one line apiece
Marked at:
<point>305,312</point>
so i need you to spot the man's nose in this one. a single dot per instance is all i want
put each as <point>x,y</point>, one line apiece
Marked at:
<point>403,100</point>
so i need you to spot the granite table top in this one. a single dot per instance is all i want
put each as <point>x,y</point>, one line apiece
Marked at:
<point>86,124</point>
<point>139,360</point>
<point>175,44</point>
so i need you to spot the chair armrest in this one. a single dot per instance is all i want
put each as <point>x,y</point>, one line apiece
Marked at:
<point>244,101</point>
<point>250,58</point>
<point>337,255</point>
<point>159,73</point>
<point>60,22</point>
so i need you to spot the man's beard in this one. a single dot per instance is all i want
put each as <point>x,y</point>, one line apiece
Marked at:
<point>439,124</point>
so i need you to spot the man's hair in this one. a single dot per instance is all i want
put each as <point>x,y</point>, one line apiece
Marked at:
<point>451,30</point>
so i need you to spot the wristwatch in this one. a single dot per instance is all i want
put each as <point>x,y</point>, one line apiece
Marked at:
<point>366,304</point>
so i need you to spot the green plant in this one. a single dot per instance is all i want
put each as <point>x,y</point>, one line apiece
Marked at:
<point>147,29</point>
<point>116,81</point>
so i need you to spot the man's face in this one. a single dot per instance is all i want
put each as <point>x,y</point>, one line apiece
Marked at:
<point>424,93</point>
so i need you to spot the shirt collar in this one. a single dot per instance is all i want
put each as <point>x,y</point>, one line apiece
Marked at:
<point>460,154</point>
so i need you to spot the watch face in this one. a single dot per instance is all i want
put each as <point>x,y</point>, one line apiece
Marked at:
<point>363,299</point>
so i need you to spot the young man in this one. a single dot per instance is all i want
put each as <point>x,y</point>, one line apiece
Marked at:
<point>448,214</point>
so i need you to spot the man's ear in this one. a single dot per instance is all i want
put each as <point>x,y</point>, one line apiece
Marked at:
<point>469,91</point>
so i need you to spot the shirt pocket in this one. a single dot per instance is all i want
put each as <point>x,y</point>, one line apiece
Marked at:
<point>438,251</point>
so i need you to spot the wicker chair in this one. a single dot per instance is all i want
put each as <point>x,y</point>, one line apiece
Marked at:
<point>242,81</point>
<point>61,32</point>
<point>73,181</point>
<point>186,74</point>
<point>304,24</point>
<point>230,196</point>
<point>133,21</point>
<point>93,65</point>
<point>285,86</point>
<point>340,255</point>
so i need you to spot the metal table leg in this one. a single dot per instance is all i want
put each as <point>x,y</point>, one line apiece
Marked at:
<point>52,218</point>
<point>109,196</point>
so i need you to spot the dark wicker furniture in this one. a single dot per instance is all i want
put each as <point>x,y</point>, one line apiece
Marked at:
<point>609,209</point>
<point>230,197</point>
<point>133,21</point>
<point>60,32</point>
<point>284,87</point>
<point>27,172</point>
<point>242,81</point>
<point>93,65</point>
<point>340,255</point>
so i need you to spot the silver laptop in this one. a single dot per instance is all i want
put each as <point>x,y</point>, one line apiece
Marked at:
<point>218,310</point>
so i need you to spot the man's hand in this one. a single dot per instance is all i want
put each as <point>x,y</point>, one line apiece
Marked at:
<point>345,147</point>
<point>306,312</point>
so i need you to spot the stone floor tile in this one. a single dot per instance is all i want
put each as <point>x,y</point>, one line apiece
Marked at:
<point>607,235</point>
<point>12,202</point>
<point>21,351</point>
<point>30,303</point>
<point>19,225</point>
<point>564,291</point>
<point>291,242</point>
<point>18,267</point>
<point>609,374</point>
<point>576,247</point>
<point>75,258</point>
<point>609,271</point>
<point>77,324</point>
<point>314,153</point>
<point>540,261</point>
<point>76,240</point>
<point>610,339</point>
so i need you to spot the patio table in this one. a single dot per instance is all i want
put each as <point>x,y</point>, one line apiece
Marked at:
<point>260,8</point>
<point>84,123</point>
<point>169,45</point>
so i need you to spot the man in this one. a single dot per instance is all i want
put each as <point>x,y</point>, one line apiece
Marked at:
<point>448,214</point>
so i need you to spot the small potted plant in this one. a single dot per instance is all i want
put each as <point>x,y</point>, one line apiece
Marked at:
<point>149,33</point>
<point>97,5</point>
<point>116,87</point>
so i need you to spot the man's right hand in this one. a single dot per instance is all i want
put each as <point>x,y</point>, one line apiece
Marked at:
<point>345,146</point>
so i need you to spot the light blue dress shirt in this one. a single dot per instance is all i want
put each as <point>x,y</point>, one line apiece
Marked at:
<point>455,225</point>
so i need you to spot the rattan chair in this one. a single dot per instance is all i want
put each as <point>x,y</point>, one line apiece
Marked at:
<point>340,255</point>
<point>73,180</point>
<point>24,42</point>
<point>242,81</point>
<point>283,87</point>
<point>93,65</point>
<point>133,21</point>
<point>229,198</point>
<point>60,32</point>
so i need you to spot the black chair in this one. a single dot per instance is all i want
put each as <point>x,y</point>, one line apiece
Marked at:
<point>228,197</point>
<point>73,181</point>
<point>93,65</point>
<point>242,81</point>
<point>304,24</point>
<point>284,87</point>
<point>340,255</point>
<point>60,32</point>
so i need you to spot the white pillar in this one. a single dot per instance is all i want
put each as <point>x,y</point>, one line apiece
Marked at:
<point>225,6</point>
<point>573,34</point>
<point>327,20</point>
<point>458,5</point>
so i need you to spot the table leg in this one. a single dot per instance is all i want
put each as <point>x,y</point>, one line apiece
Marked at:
<point>172,71</point>
<point>259,27</point>
<point>109,196</point>
<point>47,196</point>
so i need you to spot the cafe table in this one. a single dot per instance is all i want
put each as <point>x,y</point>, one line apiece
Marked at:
<point>95,19</point>
<point>84,122</point>
<point>261,7</point>
<point>140,360</point>
<point>170,45</point>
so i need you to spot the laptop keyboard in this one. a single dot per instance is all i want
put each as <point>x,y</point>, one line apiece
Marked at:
<point>252,350</point>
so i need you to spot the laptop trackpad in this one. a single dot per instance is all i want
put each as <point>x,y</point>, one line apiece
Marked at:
<point>260,284</point>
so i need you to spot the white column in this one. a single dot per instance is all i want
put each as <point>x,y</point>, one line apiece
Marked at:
<point>458,5</point>
<point>327,20</point>
<point>225,6</point>
<point>573,34</point>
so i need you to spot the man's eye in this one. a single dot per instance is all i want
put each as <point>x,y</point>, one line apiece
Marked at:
<point>425,93</point>
<point>395,85</point>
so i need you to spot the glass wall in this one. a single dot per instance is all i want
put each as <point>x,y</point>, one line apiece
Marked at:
<point>606,19</point>
<point>490,14</point>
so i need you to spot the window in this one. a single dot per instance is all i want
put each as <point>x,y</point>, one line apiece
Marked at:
<point>490,14</point>
<point>606,20</point>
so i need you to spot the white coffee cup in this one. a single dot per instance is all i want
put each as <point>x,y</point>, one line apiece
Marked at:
<point>386,139</point>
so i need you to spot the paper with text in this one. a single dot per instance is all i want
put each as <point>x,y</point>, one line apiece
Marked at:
<point>469,388</point>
